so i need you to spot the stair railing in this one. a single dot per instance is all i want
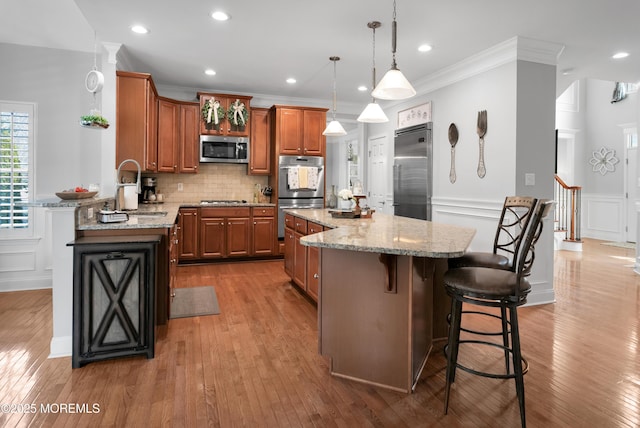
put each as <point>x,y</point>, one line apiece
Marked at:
<point>568,208</point>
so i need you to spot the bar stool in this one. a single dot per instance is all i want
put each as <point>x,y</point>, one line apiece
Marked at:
<point>514,218</point>
<point>491,287</point>
<point>513,221</point>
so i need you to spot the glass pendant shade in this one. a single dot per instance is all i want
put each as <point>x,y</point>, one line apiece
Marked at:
<point>373,113</point>
<point>334,129</point>
<point>393,86</point>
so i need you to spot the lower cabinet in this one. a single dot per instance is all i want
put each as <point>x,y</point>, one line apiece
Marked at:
<point>301,263</point>
<point>264,231</point>
<point>226,232</point>
<point>188,233</point>
<point>114,280</point>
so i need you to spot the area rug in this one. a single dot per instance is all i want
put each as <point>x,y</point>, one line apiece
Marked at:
<point>620,244</point>
<point>194,302</point>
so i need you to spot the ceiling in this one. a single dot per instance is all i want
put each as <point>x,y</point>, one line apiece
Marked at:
<point>264,42</point>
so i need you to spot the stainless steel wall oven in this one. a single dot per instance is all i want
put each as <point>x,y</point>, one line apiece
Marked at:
<point>300,185</point>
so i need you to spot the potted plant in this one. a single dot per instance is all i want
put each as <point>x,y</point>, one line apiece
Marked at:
<point>238,115</point>
<point>212,113</point>
<point>94,121</point>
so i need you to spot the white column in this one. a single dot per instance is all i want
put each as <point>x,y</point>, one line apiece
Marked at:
<point>63,232</point>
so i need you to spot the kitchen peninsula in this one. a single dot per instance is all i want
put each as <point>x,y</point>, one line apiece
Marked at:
<point>381,302</point>
<point>76,218</point>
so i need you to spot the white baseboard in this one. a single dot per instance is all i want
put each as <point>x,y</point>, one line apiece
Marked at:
<point>60,347</point>
<point>20,284</point>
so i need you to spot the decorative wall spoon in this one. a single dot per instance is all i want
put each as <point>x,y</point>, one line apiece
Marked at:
<point>453,140</point>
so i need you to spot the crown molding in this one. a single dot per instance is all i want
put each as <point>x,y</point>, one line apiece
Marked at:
<point>516,48</point>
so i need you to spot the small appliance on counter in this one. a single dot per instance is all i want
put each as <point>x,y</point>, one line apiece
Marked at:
<point>148,194</point>
<point>106,215</point>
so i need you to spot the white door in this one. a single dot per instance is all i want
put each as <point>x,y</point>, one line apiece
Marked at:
<point>378,174</point>
<point>632,186</point>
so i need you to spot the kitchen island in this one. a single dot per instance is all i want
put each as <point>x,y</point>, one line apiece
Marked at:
<point>381,301</point>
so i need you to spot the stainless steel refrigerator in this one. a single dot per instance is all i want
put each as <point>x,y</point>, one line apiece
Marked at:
<point>413,171</point>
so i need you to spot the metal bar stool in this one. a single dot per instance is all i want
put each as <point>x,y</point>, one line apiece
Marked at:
<point>505,289</point>
<point>514,218</point>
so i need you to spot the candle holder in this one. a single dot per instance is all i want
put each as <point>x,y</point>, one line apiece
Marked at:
<point>357,210</point>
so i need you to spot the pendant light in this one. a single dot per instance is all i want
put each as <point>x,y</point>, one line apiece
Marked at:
<point>334,129</point>
<point>373,113</point>
<point>394,86</point>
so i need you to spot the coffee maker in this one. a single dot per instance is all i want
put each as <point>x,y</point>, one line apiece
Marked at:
<point>148,189</point>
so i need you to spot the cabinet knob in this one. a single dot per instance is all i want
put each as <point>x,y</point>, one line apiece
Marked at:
<point>255,222</point>
<point>222,224</point>
<point>316,276</point>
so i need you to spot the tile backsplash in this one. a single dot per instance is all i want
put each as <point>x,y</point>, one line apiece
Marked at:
<point>213,181</point>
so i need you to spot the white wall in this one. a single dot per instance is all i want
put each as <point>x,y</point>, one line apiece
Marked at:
<point>519,97</point>
<point>597,123</point>
<point>66,155</point>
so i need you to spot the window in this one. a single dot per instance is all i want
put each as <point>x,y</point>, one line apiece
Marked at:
<point>16,171</point>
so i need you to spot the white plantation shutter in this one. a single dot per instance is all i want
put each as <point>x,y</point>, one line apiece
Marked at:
<point>16,158</point>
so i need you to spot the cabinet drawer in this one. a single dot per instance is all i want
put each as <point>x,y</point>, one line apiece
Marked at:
<point>289,221</point>
<point>264,211</point>
<point>300,225</point>
<point>314,228</point>
<point>225,212</point>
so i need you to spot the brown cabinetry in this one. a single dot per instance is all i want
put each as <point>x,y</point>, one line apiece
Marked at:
<point>313,263</point>
<point>177,136</point>
<point>298,130</point>
<point>301,263</point>
<point>136,120</point>
<point>224,232</point>
<point>260,156</point>
<point>188,233</point>
<point>264,230</point>
<point>225,126</point>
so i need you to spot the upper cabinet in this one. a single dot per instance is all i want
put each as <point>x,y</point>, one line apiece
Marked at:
<point>136,120</point>
<point>298,130</point>
<point>177,136</point>
<point>225,114</point>
<point>260,156</point>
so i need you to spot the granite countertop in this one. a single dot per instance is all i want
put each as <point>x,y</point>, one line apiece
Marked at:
<point>153,216</point>
<point>387,234</point>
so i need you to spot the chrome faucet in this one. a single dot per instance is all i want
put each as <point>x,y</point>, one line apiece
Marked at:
<point>119,185</point>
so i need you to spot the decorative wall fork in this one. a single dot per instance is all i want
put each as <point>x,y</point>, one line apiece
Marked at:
<point>482,130</point>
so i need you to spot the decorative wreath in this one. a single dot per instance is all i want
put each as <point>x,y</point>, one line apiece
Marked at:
<point>238,114</point>
<point>212,111</point>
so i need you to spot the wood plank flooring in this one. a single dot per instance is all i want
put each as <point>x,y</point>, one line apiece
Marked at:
<point>256,364</point>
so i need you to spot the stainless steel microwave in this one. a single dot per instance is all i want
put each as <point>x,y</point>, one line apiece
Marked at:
<point>216,148</point>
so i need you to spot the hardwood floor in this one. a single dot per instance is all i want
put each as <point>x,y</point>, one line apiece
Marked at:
<point>256,364</point>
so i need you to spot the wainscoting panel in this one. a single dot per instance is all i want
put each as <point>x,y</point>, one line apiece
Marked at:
<point>482,215</point>
<point>603,217</point>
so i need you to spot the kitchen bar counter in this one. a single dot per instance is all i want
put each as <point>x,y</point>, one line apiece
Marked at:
<point>383,233</point>
<point>381,301</point>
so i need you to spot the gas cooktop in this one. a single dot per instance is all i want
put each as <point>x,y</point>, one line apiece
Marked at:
<point>222,202</point>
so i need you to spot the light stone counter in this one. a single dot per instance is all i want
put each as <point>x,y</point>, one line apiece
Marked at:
<point>387,234</point>
<point>381,302</point>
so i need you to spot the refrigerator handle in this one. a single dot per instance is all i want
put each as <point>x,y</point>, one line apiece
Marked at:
<point>396,179</point>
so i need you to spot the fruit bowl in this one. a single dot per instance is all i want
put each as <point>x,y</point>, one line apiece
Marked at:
<point>75,195</point>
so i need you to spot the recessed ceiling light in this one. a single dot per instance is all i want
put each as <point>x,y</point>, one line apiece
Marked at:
<point>362,88</point>
<point>210,72</point>
<point>620,55</point>
<point>220,16</point>
<point>424,48</point>
<point>139,29</point>
<point>291,80</point>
